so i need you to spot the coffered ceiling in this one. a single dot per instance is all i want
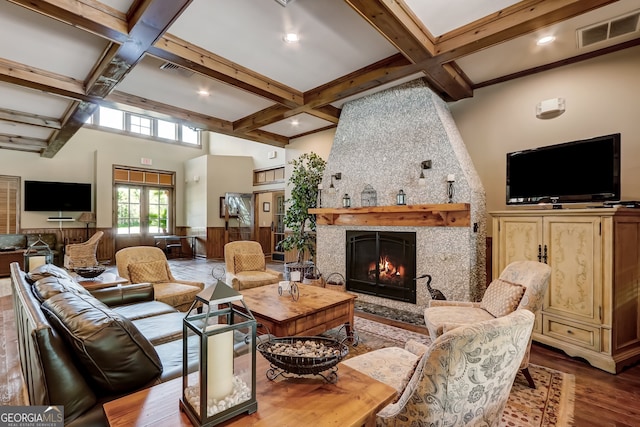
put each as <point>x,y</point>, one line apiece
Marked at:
<point>60,59</point>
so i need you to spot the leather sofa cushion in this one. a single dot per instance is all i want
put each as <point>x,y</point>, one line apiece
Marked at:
<point>47,287</point>
<point>151,271</point>
<point>47,270</point>
<point>249,262</point>
<point>115,355</point>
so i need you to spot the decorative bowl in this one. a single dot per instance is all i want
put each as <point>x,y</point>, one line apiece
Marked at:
<point>332,352</point>
<point>90,272</point>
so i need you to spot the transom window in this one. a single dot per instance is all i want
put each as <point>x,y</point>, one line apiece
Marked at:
<point>139,125</point>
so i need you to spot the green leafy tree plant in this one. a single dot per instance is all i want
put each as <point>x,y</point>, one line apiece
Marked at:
<point>305,177</point>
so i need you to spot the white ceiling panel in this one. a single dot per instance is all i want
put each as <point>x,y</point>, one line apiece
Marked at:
<point>442,16</point>
<point>522,53</point>
<point>24,131</point>
<point>18,98</point>
<point>44,43</point>
<point>169,87</point>
<point>334,40</point>
<point>121,5</point>
<point>296,125</point>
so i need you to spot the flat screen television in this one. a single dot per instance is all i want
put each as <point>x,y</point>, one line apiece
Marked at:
<point>573,172</point>
<point>47,196</point>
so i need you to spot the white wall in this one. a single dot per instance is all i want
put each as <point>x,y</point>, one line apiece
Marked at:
<point>89,157</point>
<point>602,97</point>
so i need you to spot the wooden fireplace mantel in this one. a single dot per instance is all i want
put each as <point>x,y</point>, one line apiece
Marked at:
<point>436,215</point>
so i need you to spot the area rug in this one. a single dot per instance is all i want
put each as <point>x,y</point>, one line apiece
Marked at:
<point>550,404</point>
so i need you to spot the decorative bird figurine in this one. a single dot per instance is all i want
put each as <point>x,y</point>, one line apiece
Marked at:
<point>435,293</point>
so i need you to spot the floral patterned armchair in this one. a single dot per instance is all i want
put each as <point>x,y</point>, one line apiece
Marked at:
<point>463,378</point>
<point>521,285</point>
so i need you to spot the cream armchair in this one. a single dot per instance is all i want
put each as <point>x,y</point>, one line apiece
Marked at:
<point>463,378</point>
<point>246,267</point>
<point>148,264</point>
<point>82,254</point>
<point>521,285</point>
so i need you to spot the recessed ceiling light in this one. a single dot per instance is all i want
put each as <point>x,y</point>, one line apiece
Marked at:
<point>203,92</point>
<point>291,38</point>
<point>295,122</point>
<point>545,40</point>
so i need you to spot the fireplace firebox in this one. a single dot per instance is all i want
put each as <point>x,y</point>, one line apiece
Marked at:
<point>382,263</point>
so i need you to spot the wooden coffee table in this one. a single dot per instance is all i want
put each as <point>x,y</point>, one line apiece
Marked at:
<point>353,400</point>
<point>317,310</point>
<point>105,280</point>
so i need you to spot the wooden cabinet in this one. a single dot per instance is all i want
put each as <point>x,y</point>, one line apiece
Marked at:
<point>592,306</point>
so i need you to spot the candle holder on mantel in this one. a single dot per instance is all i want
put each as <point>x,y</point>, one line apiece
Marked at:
<point>224,384</point>
<point>451,178</point>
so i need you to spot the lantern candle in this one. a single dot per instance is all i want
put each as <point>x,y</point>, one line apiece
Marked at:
<point>36,261</point>
<point>219,364</point>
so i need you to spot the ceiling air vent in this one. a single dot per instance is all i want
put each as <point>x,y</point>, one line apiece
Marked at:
<point>168,66</point>
<point>284,3</point>
<point>607,30</point>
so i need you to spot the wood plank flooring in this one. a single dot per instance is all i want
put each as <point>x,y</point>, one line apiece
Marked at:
<point>601,399</point>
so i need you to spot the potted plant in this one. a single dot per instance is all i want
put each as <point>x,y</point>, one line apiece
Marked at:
<point>305,177</point>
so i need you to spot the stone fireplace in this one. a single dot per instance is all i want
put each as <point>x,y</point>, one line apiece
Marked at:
<point>380,144</point>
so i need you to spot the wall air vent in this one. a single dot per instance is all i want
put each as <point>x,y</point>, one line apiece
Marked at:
<point>168,66</point>
<point>607,30</point>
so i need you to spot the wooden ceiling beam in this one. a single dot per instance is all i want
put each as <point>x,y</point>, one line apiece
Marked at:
<point>180,52</point>
<point>400,27</point>
<point>29,119</point>
<point>159,110</point>
<point>93,16</point>
<point>13,140</point>
<point>520,19</point>
<point>148,22</point>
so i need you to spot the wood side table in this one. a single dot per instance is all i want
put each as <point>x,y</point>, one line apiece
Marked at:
<point>105,280</point>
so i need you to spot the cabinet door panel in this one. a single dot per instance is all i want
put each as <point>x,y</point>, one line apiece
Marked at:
<point>574,248</point>
<point>520,238</point>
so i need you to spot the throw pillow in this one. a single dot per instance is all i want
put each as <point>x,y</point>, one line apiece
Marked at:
<point>115,355</point>
<point>249,262</point>
<point>152,272</point>
<point>502,297</point>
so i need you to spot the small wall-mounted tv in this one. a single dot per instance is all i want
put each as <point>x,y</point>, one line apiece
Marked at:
<point>583,171</point>
<point>47,196</point>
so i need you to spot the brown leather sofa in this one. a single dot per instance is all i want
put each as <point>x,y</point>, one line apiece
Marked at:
<point>79,349</point>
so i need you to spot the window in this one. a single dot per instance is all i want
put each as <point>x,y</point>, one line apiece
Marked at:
<point>137,125</point>
<point>128,209</point>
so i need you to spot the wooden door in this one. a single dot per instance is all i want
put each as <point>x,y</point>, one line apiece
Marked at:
<point>277,227</point>
<point>574,246</point>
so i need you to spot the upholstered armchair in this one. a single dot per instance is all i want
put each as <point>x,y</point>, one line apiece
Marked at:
<point>521,285</point>
<point>82,254</point>
<point>148,264</point>
<point>246,267</point>
<point>463,378</point>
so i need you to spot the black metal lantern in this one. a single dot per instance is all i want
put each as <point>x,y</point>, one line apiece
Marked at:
<point>39,253</point>
<point>218,358</point>
<point>401,198</point>
<point>346,201</point>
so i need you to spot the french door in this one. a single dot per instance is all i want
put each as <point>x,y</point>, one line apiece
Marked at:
<point>142,211</point>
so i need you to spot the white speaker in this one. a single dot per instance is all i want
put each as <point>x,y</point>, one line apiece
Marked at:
<point>550,108</point>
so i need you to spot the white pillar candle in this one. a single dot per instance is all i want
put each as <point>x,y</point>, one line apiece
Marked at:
<point>219,364</point>
<point>451,177</point>
<point>295,276</point>
<point>36,261</point>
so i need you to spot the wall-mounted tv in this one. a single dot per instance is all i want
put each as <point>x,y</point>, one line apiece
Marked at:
<point>581,171</point>
<point>47,196</point>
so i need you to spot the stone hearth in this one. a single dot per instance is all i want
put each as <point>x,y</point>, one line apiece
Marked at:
<point>381,141</point>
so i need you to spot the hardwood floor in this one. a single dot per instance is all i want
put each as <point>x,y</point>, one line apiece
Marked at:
<point>601,399</point>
